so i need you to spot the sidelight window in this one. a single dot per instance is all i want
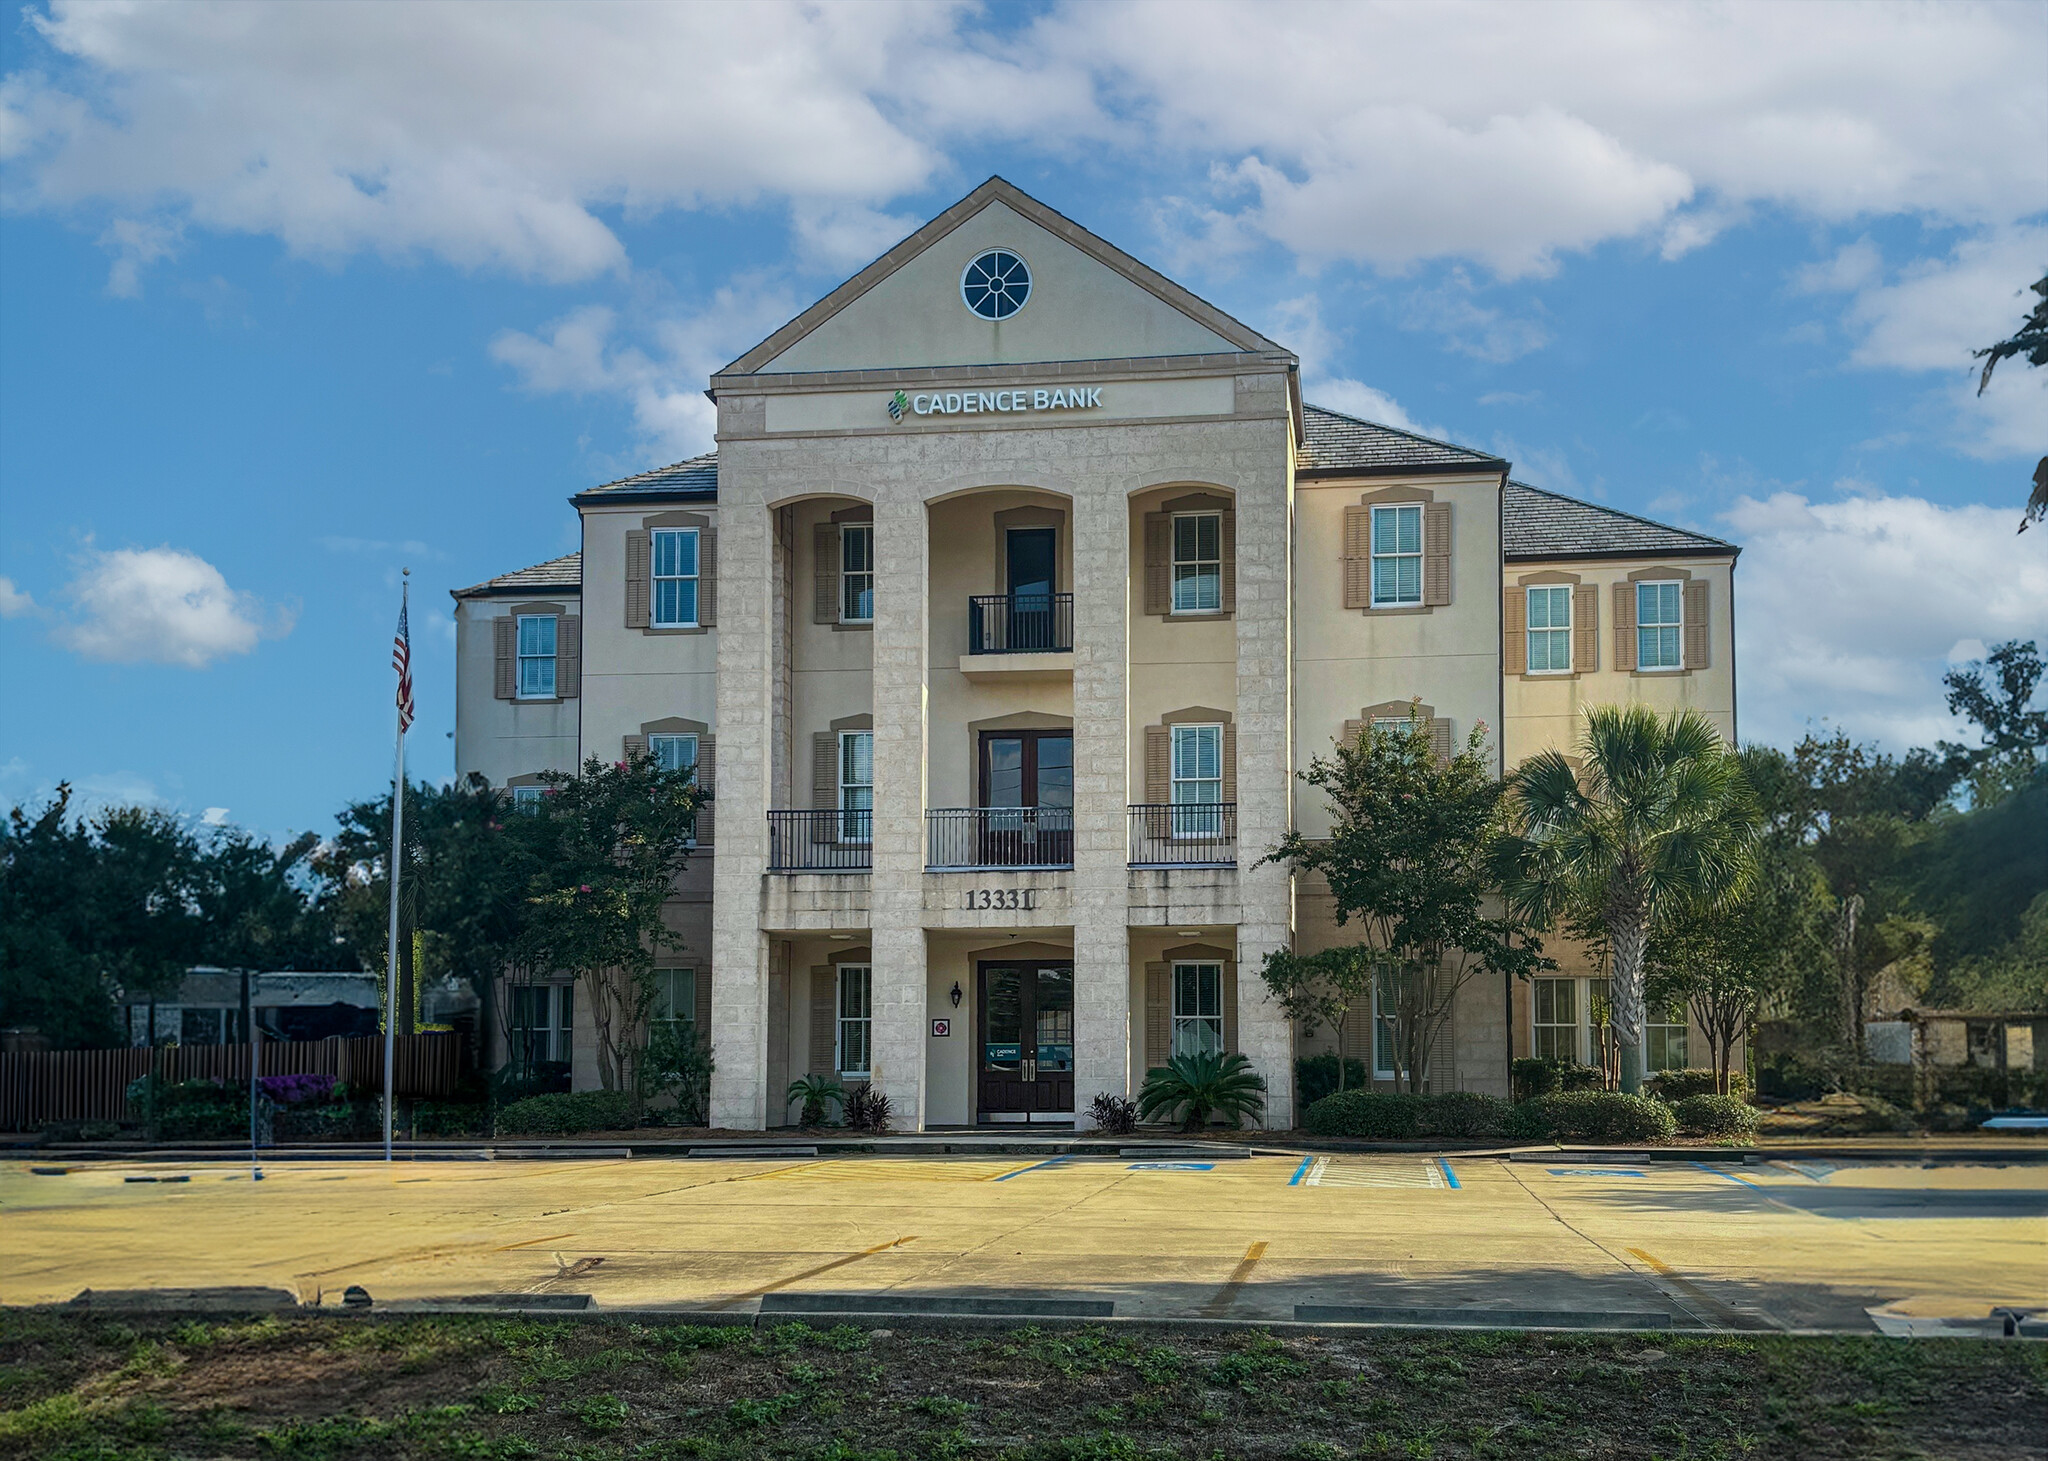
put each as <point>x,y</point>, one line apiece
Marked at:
<point>1197,1009</point>
<point>856,1019</point>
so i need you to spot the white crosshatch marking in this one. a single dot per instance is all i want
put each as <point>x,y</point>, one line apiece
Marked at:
<point>1389,1172</point>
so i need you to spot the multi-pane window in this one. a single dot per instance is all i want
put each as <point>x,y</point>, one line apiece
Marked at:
<point>1659,618</point>
<point>674,601</point>
<point>527,798</point>
<point>856,785</point>
<point>675,1000</point>
<point>1197,562</point>
<point>1197,780</point>
<point>1396,556</point>
<point>1197,1009</point>
<point>537,656</point>
<point>857,573</point>
<point>856,1018</point>
<point>1386,996</point>
<point>541,1023</point>
<point>1554,1005</point>
<point>1550,629</point>
<point>673,753</point>
<point>1664,1039</point>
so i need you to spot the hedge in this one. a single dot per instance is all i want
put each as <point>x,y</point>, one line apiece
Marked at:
<point>1403,1116</point>
<point>1675,1085</point>
<point>1594,1116</point>
<point>1315,1076</point>
<point>1711,1115</point>
<point>566,1112</point>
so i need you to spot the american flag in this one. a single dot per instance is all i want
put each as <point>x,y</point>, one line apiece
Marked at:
<point>401,661</point>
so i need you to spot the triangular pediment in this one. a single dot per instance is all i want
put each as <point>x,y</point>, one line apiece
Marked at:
<point>1089,301</point>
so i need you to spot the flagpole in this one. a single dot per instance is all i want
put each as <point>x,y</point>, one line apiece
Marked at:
<point>391,948</point>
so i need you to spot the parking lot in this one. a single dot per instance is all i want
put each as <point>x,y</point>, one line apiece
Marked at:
<point>1720,1245</point>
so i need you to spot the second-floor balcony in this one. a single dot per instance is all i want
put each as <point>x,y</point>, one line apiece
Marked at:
<point>961,838</point>
<point>1024,623</point>
<point>1184,834</point>
<point>828,841</point>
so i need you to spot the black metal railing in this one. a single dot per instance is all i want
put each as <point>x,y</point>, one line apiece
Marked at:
<point>1187,834</point>
<point>1020,623</point>
<point>824,841</point>
<point>974,837</point>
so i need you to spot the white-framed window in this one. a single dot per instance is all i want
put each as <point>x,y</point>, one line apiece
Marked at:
<point>1660,620</point>
<point>1391,725</point>
<point>1550,629</point>
<point>857,573</point>
<point>674,599</point>
<point>1197,562</point>
<point>675,1000</point>
<point>674,752</point>
<point>1665,1045</point>
<point>1554,1014</point>
<point>1385,1013</point>
<point>527,798</point>
<point>1197,1008</point>
<point>1396,555</point>
<point>856,786</point>
<point>1196,785</point>
<point>536,656</point>
<point>853,1041</point>
<point>542,1023</point>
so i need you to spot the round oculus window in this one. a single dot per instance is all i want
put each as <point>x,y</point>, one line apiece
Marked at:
<point>996,284</point>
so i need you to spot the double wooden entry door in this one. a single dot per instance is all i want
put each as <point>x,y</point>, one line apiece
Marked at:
<point>1026,1055</point>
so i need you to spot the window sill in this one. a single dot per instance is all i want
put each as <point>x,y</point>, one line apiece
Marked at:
<point>1660,674</point>
<point>1389,610</point>
<point>676,629</point>
<point>1187,615</point>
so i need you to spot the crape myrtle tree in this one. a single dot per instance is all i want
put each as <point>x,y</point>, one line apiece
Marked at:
<point>1407,862</point>
<point>1655,815</point>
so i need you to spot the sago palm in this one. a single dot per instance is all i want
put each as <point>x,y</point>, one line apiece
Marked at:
<point>1198,1086</point>
<point>1655,813</point>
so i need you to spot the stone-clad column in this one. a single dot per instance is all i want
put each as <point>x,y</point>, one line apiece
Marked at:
<point>1102,984</point>
<point>739,950</point>
<point>1264,771</point>
<point>897,917</point>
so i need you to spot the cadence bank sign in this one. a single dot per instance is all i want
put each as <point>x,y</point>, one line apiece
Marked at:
<point>969,403</point>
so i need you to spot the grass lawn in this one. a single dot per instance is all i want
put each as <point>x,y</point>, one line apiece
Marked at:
<point>79,1387</point>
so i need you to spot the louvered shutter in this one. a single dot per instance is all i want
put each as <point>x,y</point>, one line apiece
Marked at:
<point>707,783</point>
<point>1230,1006</point>
<point>825,570</point>
<point>568,657</point>
<point>1697,638</point>
<point>1227,535</point>
<point>1436,553</point>
<point>1624,626</point>
<point>1230,761</point>
<point>1440,740</point>
<point>1585,629</point>
<point>1514,632</point>
<point>1358,557</point>
<point>703,1009</point>
<point>639,576</point>
<point>1158,765</point>
<point>707,577</point>
<point>633,746</point>
<point>1158,563</point>
<point>505,657</point>
<point>1354,730</point>
<point>824,1056</point>
<point>1442,1074</point>
<point>1158,1015</point>
<point>825,785</point>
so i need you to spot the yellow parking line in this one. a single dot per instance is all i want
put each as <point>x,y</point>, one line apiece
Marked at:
<point>1227,1295</point>
<point>783,1283</point>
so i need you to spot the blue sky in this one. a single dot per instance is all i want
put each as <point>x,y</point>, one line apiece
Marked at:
<point>292,296</point>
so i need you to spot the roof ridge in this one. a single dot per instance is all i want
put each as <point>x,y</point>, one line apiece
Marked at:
<point>1399,431</point>
<point>1621,512</point>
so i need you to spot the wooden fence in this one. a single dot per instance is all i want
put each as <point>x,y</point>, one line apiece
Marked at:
<point>91,1085</point>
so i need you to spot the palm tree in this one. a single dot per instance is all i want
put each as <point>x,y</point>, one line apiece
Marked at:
<point>1655,814</point>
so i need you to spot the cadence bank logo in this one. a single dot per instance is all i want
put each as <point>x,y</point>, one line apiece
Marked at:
<point>971,403</point>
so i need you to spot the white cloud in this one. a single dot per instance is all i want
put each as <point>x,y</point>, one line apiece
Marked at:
<point>1853,608</point>
<point>1355,398</point>
<point>1461,323</point>
<point>162,605</point>
<point>14,601</point>
<point>214,817</point>
<point>135,245</point>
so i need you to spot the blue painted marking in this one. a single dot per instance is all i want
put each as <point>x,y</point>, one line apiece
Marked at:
<point>1172,1167</point>
<point>1729,1176</point>
<point>1594,1172</point>
<point>1051,1162</point>
<point>1301,1171</point>
<point>1449,1176</point>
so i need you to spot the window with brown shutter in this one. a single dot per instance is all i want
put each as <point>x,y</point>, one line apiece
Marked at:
<point>505,657</point>
<point>631,747</point>
<point>1436,554</point>
<point>1698,635</point>
<point>825,573</point>
<point>1514,631</point>
<point>1440,740</point>
<point>1158,1015</point>
<point>702,1011</point>
<point>707,577</point>
<point>568,657</point>
<point>824,1031</point>
<point>1413,540</point>
<point>1229,561</point>
<point>1158,563</point>
<point>1158,764</point>
<point>1358,557</point>
<point>1585,629</point>
<point>1625,627</point>
<point>707,784</point>
<point>639,576</point>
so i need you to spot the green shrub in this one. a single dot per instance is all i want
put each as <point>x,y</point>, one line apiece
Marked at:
<point>1711,1115</point>
<point>1464,1114</point>
<point>1602,1116</point>
<point>1315,1076</point>
<point>1376,1115</point>
<point>1675,1085</point>
<point>1533,1078</point>
<point>1194,1088</point>
<point>566,1112</point>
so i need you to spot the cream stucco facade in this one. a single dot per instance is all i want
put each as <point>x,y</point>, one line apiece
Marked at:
<point>1000,628</point>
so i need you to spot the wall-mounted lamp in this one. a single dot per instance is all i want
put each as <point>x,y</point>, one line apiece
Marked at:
<point>956,994</point>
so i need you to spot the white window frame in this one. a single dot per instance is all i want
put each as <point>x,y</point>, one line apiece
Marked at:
<point>1397,554</point>
<point>550,661</point>
<point>1545,990</point>
<point>1548,633</point>
<point>669,1007</point>
<point>656,539</point>
<point>527,798</point>
<point>684,741</point>
<point>1200,820</point>
<point>1197,1028</point>
<point>1383,1028</point>
<point>856,571</point>
<point>862,792</point>
<point>1675,627</point>
<point>1675,1023</point>
<point>557,1007</point>
<point>1197,563</point>
<point>854,989</point>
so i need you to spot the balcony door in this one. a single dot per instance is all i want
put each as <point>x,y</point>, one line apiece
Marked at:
<point>1027,784</point>
<point>1030,556</point>
<point>1026,1066</point>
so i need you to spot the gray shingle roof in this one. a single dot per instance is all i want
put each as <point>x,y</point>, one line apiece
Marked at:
<point>697,477</point>
<point>560,574</point>
<point>1539,524</point>
<point>1339,443</point>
